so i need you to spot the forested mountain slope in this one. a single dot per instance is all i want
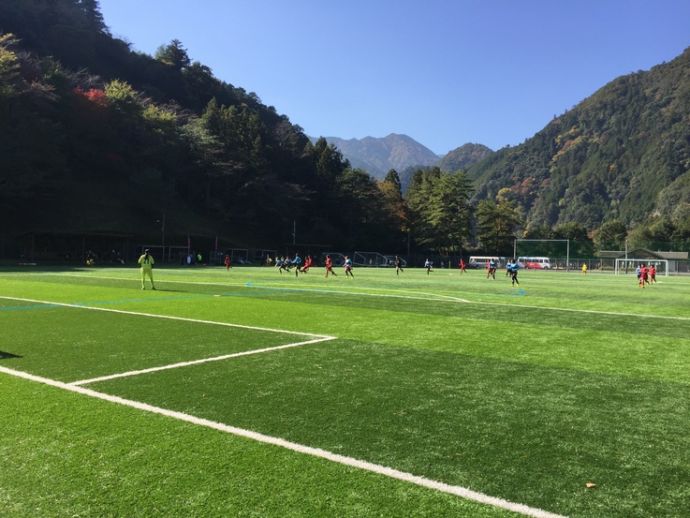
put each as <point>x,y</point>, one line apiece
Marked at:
<point>97,138</point>
<point>461,158</point>
<point>623,153</point>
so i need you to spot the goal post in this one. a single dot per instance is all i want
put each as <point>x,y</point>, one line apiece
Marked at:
<point>628,266</point>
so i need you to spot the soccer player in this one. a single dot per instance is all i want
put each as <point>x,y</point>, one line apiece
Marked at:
<point>348,267</point>
<point>307,264</point>
<point>283,264</point>
<point>462,265</point>
<point>491,269</point>
<point>652,274</point>
<point>428,264</point>
<point>146,262</point>
<point>398,265</point>
<point>297,263</point>
<point>584,268</point>
<point>512,267</point>
<point>641,275</point>
<point>329,266</point>
<point>227,262</point>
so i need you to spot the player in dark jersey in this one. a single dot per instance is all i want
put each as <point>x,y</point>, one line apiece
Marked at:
<point>428,264</point>
<point>398,265</point>
<point>512,267</point>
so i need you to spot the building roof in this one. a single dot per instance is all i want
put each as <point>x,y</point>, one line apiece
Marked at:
<point>643,253</point>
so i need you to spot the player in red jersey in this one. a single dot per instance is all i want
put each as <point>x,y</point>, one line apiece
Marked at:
<point>462,265</point>
<point>329,266</point>
<point>226,262</point>
<point>308,261</point>
<point>652,274</point>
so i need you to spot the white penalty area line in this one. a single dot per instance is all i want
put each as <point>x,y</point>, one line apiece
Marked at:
<point>166,317</point>
<point>460,491</point>
<point>198,362</point>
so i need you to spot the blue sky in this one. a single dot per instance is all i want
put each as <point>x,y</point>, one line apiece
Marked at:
<point>443,72</point>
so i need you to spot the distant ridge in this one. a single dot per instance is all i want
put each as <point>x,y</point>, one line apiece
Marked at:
<point>463,157</point>
<point>622,153</point>
<point>377,156</point>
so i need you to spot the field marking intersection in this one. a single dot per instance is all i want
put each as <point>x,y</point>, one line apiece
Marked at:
<point>198,362</point>
<point>77,387</point>
<point>460,491</point>
<point>166,317</point>
<point>316,339</point>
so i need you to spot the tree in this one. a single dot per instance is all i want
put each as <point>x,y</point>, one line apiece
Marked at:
<point>11,82</point>
<point>681,219</point>
<point>439,209</point>
<point>123,98</point>
<point>418,197</point>
<point>497,224</point>
<point>537,231</point>
<point>93,14</point>
<point>395,205</point>
<point>580,243</point>
<point>611,235</point>
<point>173,54</point>
<point>450,212</point>
<point>329,161</point>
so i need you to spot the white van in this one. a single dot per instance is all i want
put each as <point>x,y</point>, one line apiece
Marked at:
<point>480,261</point>
<point>535,263</point>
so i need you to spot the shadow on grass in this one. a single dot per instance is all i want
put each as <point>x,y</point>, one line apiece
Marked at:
<point>6,356</point>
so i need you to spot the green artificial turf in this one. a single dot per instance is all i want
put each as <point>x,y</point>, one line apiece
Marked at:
<point>528,433</point>
<point>70,344</point>
<point>67,455</point>
<point>524,393</point>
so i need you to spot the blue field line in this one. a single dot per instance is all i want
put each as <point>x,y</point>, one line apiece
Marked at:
<point>28,307</point>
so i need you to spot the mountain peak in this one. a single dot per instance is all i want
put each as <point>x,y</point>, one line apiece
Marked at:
<point>379,155</point>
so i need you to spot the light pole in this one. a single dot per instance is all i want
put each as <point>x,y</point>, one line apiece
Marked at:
<point>162,222</point>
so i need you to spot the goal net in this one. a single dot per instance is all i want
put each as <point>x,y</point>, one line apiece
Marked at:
<point>629,266</point>
<point>369,259</point>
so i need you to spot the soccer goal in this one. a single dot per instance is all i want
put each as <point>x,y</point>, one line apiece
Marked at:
<point>627,266</point>
<point>369,259</point>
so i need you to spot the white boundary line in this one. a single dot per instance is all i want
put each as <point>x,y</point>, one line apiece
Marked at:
<point>197,362</point>
<point>167,317</point>
<point>275,286</point>
<point>460,491</point>
<point>442,298</point>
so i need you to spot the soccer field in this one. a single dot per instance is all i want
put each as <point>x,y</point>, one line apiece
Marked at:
<point>250,393</point>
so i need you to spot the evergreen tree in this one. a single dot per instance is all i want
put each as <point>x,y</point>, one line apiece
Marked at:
<point>497,224</point>
<point>611,235</point>
<point>173,54</point>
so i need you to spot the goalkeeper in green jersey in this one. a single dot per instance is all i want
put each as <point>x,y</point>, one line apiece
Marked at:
<point>146,262</point>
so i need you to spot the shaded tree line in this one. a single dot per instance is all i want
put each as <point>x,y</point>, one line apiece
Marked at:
<point>95,137</point>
